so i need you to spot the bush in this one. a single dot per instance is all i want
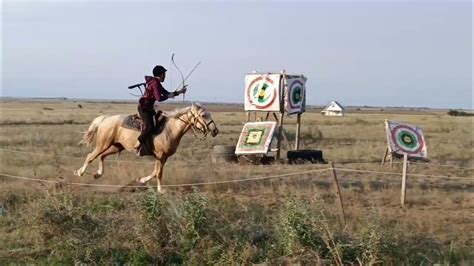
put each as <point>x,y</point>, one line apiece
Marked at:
<point>207,228</point>
<point>459,113</point>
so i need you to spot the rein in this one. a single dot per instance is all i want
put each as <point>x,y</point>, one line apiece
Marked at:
<point>205,131</point>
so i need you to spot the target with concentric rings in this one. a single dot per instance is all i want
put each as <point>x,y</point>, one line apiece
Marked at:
<point>406,139</point>
<point>261,93</point>
<point>295,94</point>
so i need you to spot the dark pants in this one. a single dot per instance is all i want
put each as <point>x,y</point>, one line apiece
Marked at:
<point>148,116</point>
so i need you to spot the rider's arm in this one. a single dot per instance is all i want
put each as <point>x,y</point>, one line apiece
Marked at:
<point>164,94</point>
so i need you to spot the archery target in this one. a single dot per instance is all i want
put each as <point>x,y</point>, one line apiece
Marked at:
<point>295,95</point>
<point>407,139</point>
<point>262,92</point>
<point>255,138</point>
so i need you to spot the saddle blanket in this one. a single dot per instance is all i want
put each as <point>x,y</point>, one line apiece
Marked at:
<point>132,122</point>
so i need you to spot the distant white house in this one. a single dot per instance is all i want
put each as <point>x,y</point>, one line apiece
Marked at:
<point>333,109</point>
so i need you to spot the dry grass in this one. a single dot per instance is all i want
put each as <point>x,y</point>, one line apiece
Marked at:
<point>439,215</point>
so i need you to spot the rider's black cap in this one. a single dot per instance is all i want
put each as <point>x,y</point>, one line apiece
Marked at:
<point>158,70</point>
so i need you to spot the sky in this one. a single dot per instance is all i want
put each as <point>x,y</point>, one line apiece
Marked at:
<point>365,53</point>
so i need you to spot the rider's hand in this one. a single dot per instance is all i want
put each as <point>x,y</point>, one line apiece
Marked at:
<point>183,89</point>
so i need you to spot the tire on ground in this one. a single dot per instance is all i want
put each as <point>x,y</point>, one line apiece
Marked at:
<point>305,156</point>
<point>224,149</point>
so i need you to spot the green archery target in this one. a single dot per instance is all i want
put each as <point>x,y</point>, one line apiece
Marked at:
<point>255,138</point>
<point>296,97</point>
<point>295,93</point>
<point>406,139</point>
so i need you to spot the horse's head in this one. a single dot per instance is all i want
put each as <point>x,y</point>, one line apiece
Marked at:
<point>201,119</point>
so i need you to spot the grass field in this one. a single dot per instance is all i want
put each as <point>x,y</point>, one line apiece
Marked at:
<point>281,220</point>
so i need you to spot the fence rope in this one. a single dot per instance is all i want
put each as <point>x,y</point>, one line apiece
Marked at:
<point>443,165</point>
<point>408,174</point>
<point>170,185</point>
<point>138,162</point>
<point>234,180</point>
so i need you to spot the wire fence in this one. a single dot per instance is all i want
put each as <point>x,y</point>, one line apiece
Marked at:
<point>237,180</point>
<point>152,162</point>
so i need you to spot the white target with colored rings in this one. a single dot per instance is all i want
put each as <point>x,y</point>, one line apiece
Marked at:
<point>295,93</point>
<point>262,92</point>
<point>404,138</point>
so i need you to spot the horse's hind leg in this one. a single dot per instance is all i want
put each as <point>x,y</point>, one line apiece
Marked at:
<point>90,157</point>
<point>111,150</point>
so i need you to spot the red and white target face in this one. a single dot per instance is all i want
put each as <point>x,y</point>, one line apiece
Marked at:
<point>262,92</point>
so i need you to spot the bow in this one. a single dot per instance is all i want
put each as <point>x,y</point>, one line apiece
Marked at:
<point>180,72</point>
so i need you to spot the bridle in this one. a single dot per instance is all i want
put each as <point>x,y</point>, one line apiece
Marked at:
<point>194,120</point>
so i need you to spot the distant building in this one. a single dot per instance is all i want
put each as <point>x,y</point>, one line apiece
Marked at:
<point>333,109</point>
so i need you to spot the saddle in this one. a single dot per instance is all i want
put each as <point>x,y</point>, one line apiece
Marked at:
<point>134,122</point>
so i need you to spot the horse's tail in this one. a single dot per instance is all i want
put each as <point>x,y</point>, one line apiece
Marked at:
<point>89,136</point>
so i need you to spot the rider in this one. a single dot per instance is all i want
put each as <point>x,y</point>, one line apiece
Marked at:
<point>154,92</point>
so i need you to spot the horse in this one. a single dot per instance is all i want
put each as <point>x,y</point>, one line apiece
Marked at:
<point>110,137</point>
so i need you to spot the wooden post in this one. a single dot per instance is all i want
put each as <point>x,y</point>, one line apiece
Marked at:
<point>281,91</point>
<point>297,135</point>
<point>248,116</point>
<point>266,117</point>
<point>391,160</point>
<point>280,129</point>
<point>338,196</point>
<point>384,156</point>
<point>404,179</point>
<point>285,138</point>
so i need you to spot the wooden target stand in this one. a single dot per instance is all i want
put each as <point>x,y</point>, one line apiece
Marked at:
<point>278,116</point>
<point>391,155</point>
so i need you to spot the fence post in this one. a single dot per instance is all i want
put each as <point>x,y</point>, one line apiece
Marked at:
<point>404,179</point>
<point>338,195</point>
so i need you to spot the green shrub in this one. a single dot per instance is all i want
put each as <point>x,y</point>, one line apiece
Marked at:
<point>459,113</point>
<point>295,227</point>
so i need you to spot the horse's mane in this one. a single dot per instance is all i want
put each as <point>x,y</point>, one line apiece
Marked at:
<point>179,112</point>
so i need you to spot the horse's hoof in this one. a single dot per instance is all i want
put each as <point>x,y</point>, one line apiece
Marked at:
<point>97,175</point>
<point>76,173</point>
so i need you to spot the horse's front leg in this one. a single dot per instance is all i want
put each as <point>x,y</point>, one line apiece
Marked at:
<point>159,174</point>
<point>145,179</point>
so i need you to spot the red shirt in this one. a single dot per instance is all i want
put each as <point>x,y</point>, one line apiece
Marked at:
<point>154,92</point>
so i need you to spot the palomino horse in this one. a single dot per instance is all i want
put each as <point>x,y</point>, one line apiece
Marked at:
<point>111,138</point>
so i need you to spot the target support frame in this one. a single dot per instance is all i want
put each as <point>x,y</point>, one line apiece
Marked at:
<point>279,118</point>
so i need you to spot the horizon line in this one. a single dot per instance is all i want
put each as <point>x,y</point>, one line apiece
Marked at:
<point>215,102</point>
